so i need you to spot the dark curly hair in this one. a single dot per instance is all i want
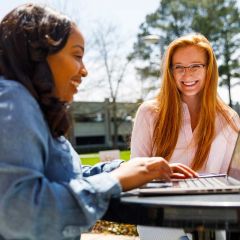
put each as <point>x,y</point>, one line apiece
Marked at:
<point>28,34</point>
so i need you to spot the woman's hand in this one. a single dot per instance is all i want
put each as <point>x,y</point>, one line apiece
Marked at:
<point>181,171</point>
<point>139,171</point>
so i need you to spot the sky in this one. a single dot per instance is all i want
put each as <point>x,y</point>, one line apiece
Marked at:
<point>127,15</point>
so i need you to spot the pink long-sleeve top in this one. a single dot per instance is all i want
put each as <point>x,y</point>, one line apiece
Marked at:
<point>221,149</point>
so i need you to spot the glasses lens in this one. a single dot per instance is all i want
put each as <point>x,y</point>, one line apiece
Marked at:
<point>195,67</point>
<point>178,69</point>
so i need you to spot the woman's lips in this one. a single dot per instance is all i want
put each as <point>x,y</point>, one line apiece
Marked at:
<point>189,84</point>
<point>75,83</point>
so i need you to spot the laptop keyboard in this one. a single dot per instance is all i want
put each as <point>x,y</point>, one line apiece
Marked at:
<point>214,182</point>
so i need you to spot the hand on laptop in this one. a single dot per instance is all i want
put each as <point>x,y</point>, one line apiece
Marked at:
<point>139,171</point>
<point>180,170</point>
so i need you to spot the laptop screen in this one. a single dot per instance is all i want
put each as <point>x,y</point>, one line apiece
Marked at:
<point>234,168</point>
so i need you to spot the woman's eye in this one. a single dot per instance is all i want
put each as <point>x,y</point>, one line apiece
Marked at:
<point>79,57</point>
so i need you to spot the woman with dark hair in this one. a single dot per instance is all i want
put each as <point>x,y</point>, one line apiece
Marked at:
<point>45,192</point>
<point>28,36</point>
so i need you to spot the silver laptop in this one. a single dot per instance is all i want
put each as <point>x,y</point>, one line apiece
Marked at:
<point>210,183</point>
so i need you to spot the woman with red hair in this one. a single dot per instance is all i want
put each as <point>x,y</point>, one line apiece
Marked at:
<point>187,123</point>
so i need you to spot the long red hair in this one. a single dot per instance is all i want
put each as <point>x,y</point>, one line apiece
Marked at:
<point>169,105</point>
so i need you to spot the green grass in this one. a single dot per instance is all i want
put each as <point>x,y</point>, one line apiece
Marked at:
<point>125,155</point>
<point>93,158</point>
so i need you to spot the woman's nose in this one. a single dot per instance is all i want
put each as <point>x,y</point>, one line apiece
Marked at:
<point>83,71</point>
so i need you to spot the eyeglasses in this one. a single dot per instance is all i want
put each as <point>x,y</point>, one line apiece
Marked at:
<point>193,68</point>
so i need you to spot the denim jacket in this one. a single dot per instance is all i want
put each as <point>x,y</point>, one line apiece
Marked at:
<point>44,191</point>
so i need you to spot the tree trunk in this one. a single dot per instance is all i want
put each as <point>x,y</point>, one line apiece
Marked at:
<point>228,73</point>
<point>107,119</point>
<point>229,90</point>
<point>115,125</point>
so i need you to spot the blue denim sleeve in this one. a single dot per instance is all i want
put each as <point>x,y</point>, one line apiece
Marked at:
<point>100,167</point>
<point>32,206</point>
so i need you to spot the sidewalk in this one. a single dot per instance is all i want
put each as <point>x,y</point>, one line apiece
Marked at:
<point>103,236</point>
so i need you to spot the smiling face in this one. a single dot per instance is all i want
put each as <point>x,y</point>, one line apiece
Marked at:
<point>189,70</point>
<point>67,66</point>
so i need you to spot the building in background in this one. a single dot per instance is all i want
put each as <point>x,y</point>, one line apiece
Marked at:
<point>93,125</point>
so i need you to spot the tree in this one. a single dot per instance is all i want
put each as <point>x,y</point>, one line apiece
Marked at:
<point>223,32</point>
<point>218,20</point>
<point>112,66</point>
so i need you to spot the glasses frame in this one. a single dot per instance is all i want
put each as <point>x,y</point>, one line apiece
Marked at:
<point>190,68</point>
